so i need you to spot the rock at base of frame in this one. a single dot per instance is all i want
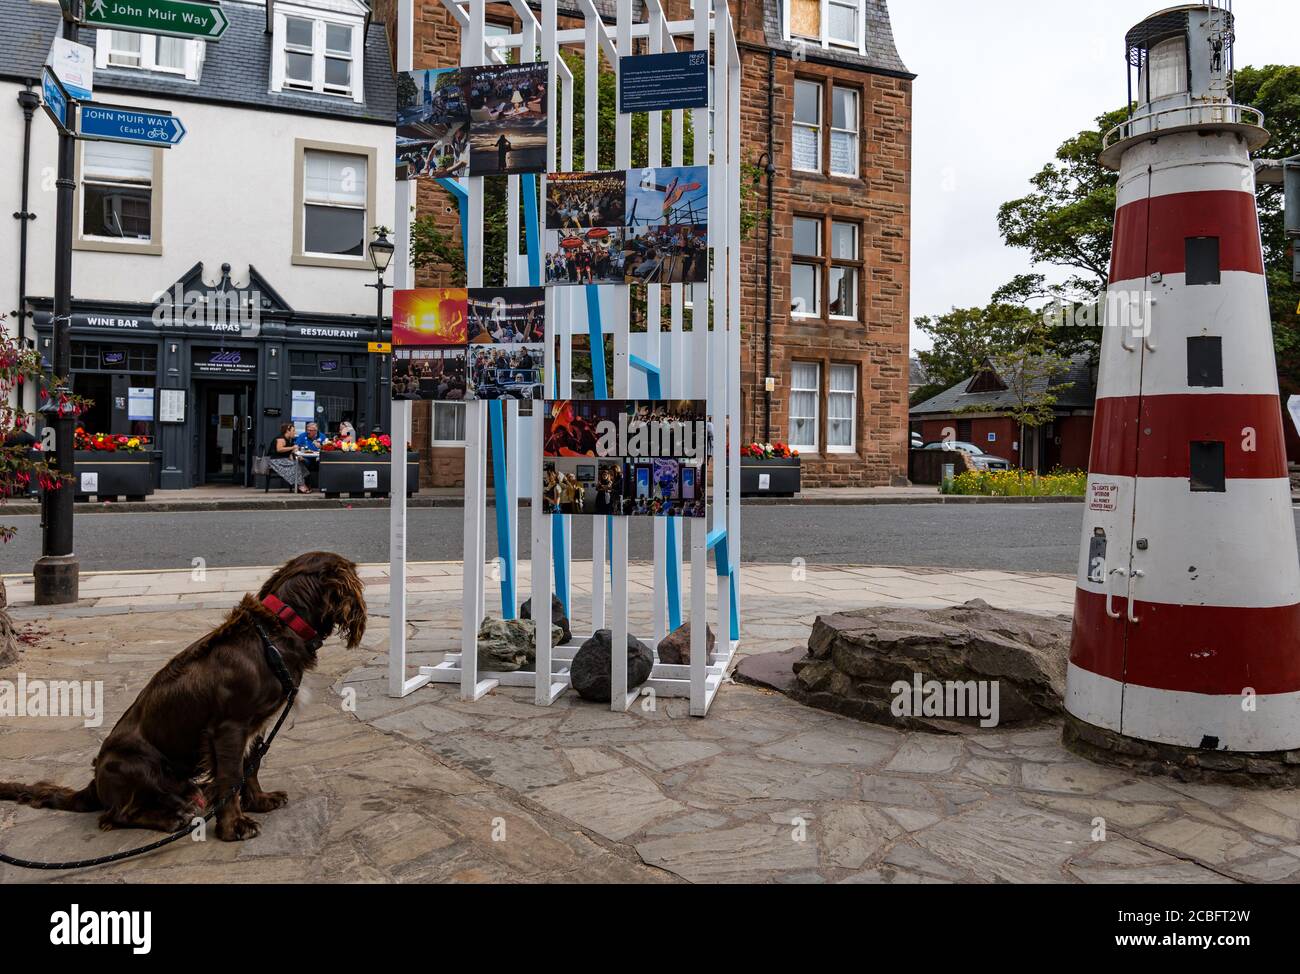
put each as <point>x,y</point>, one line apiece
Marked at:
<point>589,671</point>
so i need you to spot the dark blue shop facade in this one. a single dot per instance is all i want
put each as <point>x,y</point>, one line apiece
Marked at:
<point>210,372</point>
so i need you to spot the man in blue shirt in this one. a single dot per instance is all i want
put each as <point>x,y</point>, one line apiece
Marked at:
<point>309,440</point>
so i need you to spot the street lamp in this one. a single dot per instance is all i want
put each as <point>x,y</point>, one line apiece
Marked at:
<point>381,254</point>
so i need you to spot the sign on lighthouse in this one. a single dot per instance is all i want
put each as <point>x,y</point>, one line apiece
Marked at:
<point>1187,609</point>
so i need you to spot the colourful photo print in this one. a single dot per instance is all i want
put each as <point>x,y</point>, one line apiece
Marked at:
<point>666,255</point>
<point>665,196</point>
<point>507,371</point>
<point>435,372</point>
<point>430,316</point>
<point>578,201</point>
<point>637,458</point>
<point>432,124</point>
<point>507,118</point>
<point>507,315</point>
<point>592,256</point>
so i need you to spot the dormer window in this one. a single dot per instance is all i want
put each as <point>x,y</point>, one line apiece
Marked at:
<point>317,54</point>
<point>827,23</point>
<point>148,52</point>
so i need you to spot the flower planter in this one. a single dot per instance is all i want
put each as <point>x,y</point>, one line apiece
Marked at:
<point>776,477</point>
<point>110,476</point>
<point>346,473</point>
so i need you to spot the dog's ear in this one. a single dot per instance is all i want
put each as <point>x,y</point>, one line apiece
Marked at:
<point>347,602</point>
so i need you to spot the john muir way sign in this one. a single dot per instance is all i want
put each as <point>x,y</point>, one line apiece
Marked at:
<point>176,18</point>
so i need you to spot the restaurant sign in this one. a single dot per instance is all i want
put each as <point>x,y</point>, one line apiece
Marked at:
<point>227,362</point>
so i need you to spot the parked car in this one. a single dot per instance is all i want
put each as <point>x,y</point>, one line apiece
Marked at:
<point>917,442</point>
<point>981,460</point>
<point>511,384</point>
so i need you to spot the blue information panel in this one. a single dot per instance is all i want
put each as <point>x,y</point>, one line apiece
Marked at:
<point>111,123</point>
<point>662,82</point>
<point>54,98</point>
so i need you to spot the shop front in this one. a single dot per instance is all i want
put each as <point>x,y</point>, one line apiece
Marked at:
<point>210,390</point>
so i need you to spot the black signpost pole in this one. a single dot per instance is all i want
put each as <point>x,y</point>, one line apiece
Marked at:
<point>57,573</point>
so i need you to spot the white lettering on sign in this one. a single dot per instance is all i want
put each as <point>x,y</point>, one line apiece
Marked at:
<point>1103,497</point>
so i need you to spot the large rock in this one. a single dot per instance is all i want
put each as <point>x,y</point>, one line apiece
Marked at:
<point>558,618</point>
<point>856,659</point>
<point>676,646</point>
<point>589,670</point>
<point>505,645</point>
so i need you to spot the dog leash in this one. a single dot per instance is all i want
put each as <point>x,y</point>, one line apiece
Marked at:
<point>252,763</point>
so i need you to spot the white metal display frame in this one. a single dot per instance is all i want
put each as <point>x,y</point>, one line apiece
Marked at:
<point>712,346</point>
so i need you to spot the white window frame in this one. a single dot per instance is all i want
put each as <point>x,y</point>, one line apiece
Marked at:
<point>815,127</point>
<point>319,19</point>
<point>854,133</point>
<point>303,254</point>
<point>815,261</point>
<point>854,269</point>
<point>816,413</point>
<point>852,395</point>
<point>433,424</point>
<point>825,40</point>
<point>194,50</point>
<point>109,244</point>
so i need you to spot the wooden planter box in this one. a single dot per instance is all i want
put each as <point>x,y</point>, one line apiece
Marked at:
<point>345,473</point>
<point>111,476</point>
<point>769,478</point>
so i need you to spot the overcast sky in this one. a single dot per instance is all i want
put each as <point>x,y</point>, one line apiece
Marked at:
<point>1001,84</point>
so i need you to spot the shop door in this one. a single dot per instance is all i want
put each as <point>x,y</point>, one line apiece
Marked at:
<point>226,449</point>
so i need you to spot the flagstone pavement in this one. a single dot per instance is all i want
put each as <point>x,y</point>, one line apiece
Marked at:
<point>432,788</point>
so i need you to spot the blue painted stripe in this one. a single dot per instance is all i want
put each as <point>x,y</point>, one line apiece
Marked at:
<point>674,569</point>
<point>561,563</point>
<point>461,195</point>
<point>596,337</point>
<point>505,540</point>
<point>716,537</point>
<point>532,233</point>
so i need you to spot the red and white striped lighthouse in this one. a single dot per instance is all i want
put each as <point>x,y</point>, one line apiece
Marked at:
<point>1187,612</point>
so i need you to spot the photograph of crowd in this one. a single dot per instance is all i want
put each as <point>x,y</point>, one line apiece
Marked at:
<point>507,315</point>
<point>661,488</point>
<point>507,118</point>
<point>593,257</point>
<point>507,371</point>
<point>579,201</point>
<point>668,196</point>
<point>432,124</point>
<point>433,373</point>
<point>430,316</point>
<point>666,255</point>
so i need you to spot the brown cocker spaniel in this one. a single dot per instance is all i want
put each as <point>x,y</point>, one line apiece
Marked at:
<point>182,745</point>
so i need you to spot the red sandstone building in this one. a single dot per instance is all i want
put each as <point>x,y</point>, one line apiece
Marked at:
<point>828,100</point>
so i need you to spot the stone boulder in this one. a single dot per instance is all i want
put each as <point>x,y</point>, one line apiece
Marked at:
<point>506,645</point>
<point>675,648</point>
<point>558,618</point>
<point>959,664</point>
<point>589,670</point>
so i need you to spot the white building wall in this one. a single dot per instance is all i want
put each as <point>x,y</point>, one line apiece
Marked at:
<point>228,196</point>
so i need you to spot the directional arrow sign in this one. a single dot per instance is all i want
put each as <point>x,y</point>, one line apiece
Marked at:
<point>176,18</point>
<point>116,123</point>
<point>55,99</point>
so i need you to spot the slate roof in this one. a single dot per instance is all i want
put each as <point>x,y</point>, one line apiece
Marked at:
<point>236,69</point>
<point>882,54</point>
<point>1081,394</point>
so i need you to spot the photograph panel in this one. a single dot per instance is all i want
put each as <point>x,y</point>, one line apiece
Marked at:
<point>666,255</point>
<point>593,256</point>
<point>507,371</point>
<point>429,373</point>
<point>668,196</point>
<point>506,315</point>
<point>507,111</point>
<point>432,124</point>
<point>430,316</point>
<point>578,201</point>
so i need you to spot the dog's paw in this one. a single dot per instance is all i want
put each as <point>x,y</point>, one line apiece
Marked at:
<point>267,801</point>
<point>238,829</point>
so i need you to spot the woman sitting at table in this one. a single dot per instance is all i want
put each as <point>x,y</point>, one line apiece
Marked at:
<point>285,462</point>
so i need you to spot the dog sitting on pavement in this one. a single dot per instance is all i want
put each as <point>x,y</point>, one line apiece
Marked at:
<point>185,742</point>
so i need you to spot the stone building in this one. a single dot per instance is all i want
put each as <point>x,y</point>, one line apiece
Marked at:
<point>824,88</point>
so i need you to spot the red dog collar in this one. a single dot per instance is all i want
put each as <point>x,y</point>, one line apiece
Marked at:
<point>290,618</point>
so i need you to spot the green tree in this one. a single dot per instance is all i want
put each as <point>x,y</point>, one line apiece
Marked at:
<point>965,339</point>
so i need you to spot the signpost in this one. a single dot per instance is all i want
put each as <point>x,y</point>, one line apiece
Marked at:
<point>55,100</point>
<point>175,18</point>
<point>116,123</point>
